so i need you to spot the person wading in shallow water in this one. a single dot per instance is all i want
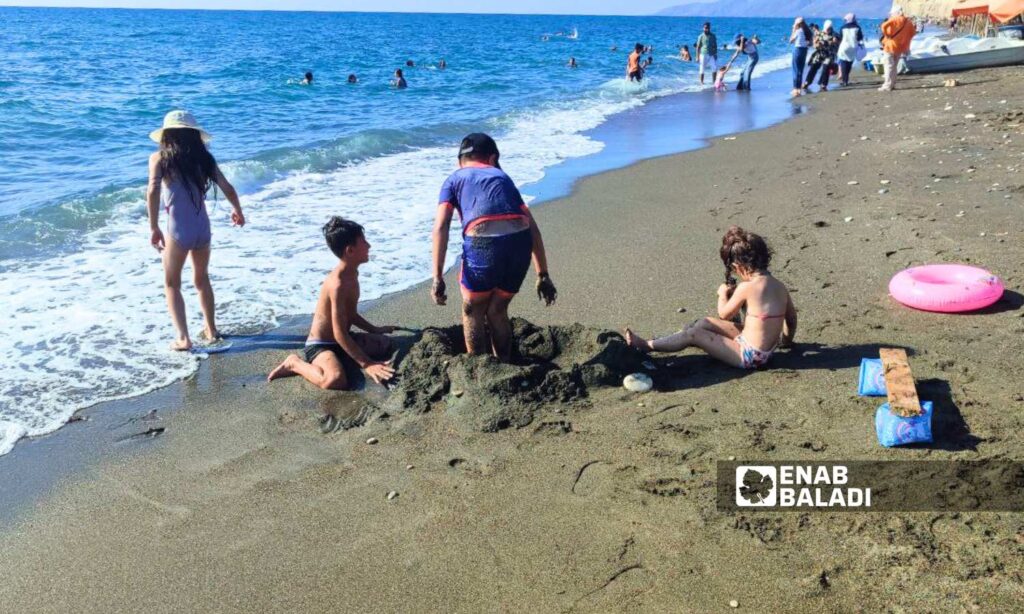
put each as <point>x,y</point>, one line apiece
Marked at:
<point>180,174</point>
<point>500,237</point>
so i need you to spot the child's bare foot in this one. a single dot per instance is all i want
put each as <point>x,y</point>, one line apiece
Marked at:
<point>181,345</point>
<point>637,341</point>
<point>285,369</point>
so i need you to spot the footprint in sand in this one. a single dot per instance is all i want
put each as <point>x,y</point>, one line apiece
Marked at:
<point>553,428</point>
<point>597,478</point>
<point>469,467</point>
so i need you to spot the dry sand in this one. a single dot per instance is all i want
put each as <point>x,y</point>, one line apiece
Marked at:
<point>607,503</point>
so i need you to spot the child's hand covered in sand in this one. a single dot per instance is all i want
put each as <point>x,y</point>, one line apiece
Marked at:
<point>546,289</point>
<point>438,292</point>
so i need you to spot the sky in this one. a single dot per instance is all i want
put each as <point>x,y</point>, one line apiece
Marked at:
<point>565,7</point>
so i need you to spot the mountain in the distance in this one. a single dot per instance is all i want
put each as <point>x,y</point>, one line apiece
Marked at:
<point>778,8</point>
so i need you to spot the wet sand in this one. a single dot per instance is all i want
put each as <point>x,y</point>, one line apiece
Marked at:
<point>607,503</point>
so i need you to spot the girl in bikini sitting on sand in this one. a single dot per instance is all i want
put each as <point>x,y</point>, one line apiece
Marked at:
<point>771,317</point>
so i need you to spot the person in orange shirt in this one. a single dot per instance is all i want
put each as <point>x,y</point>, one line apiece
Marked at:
<point>897,32</point>
<point>633,70</point>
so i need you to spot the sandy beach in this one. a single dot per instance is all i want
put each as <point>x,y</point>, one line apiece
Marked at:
<point>605,502</point>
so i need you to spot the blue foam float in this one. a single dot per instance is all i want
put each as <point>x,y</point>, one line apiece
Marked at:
<point>872,378</point>
<point>896,430</point>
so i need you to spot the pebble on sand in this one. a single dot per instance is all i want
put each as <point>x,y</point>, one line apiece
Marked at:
<point>638,382</point>
<point>410,467</point>
<point>847,219</point>
<point>852,182</point>
<point>885,182</point>
<point>392,495</point>
<point>734,604</point>
<point>371,441</point>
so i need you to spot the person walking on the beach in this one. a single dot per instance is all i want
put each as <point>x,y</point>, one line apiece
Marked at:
<point>635,72</point>
<point>851,47</point>
<point>707,52</point>
<point>897,32</point>
<point>824,57</point>
<point>801,39</point>
<point>748,47</point>
<point>500,237</point>
<point>180,173</point>
<point>332,352</point>
<point>771,318</point>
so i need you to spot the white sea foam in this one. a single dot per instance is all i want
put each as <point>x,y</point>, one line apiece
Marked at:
<point>92,325</point>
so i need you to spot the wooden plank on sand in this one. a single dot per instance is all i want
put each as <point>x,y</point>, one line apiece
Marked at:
<point>899,383</point>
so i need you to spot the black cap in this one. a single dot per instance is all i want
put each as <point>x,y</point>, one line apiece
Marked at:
<point>478,144</point>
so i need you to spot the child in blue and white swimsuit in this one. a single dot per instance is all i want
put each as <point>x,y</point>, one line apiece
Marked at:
<point>500,238</point>
<point>771,317</point>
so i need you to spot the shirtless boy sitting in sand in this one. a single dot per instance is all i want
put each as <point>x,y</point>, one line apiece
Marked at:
<point>771,318</point>
<point>330,346</point>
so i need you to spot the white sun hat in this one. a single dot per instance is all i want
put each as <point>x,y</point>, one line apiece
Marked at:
<point>179,119</point>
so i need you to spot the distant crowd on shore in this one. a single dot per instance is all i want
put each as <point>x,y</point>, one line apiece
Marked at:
<point>822,51</point>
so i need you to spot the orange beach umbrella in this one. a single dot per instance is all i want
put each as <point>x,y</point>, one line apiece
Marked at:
<point>1005,10</point>
<point>971,7</point>
<point>999,11</point>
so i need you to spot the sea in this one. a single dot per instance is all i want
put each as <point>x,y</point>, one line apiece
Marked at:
<point>80,90</point>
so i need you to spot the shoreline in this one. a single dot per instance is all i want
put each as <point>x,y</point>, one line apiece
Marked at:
<point>243,485</point>
<point>560,181</point>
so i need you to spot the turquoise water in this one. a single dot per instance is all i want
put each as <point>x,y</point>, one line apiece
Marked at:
<point>81,89</point>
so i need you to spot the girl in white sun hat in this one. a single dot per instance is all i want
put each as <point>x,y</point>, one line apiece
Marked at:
<point>180,174</point>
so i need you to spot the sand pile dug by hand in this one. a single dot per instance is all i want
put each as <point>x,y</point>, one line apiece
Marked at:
<point>551,364</point>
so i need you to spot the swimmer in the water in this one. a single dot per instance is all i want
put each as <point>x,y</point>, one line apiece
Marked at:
<point>442,64</point>
<point>399,80</point>
<point>572,63</point>
<point>307,79</point>
<point>409,63</point>
<point>684,54</point>
<point>500,238</point>
<point>352,79</point>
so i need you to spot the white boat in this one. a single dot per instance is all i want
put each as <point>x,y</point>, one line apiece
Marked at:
<point>964,54</point>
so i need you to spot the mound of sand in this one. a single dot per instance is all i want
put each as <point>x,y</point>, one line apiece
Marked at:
<point>551,364</point>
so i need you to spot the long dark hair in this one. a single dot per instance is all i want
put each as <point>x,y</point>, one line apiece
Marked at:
<point>184,156</point>
<point>807,31</point>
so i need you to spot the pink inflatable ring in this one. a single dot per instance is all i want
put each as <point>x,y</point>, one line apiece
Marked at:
<point>947,288</point>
